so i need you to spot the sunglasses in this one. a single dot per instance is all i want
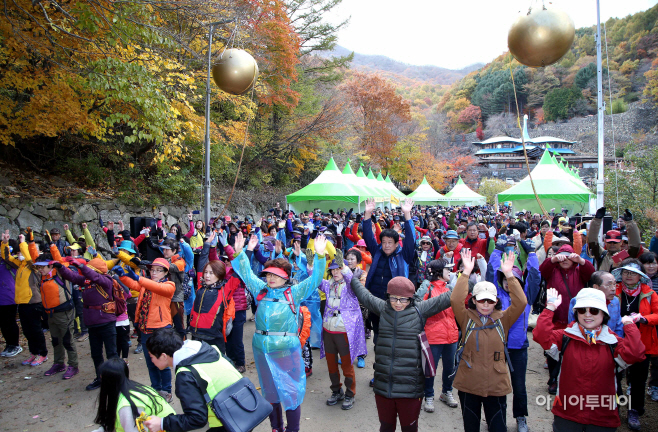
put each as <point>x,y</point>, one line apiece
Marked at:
<point>592,311</point>
<point>487,301</point>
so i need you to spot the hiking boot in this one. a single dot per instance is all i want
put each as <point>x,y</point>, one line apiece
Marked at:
<point>552,388</point>
<point>70,372</point>
<point>309,372</point>
<point>139,349</point>
<point>372,382</point>
<point>83,337</point>
<point>133,335</point>
<point>348,403</point>
<point>166,396</point>
<point>633,420</point>
<point>448,399</point>
<point>653,392</point>
<point>335,397</point>
<point>242,369</point>
<point>367,334</point>
<point>28,361</point>
<point>521,424</point>
<point>96,383</point>
<point>56,368</point>
<point>361,362</point>
<point>12,351</point>
<point>38,360</point>
<point>428,406</point>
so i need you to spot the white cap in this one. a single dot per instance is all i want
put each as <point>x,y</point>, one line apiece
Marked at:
<point>591,297</point>
<point>485,290</point>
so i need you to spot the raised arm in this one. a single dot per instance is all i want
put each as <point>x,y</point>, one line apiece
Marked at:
<point>369,301</point>
<point>304,289</point>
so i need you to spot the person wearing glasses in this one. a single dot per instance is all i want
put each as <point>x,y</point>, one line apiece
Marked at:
<point>588,353</point>
<point>638,300</point>
<point>483,376</point>
<point>399,382</point>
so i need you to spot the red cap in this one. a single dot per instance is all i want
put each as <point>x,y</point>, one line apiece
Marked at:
<point>161,262</point>
<point>613,236</point>
<point>277,271</point>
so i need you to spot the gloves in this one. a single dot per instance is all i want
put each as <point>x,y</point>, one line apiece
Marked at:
<point>222,237</point>
<point>492,232</point>
<point>501,243</point>
<point>118,270</point>
<point>145,232</point>
<point>628,216</point>
<point>340,228</point>
<point>57,265</point>
<point>76,264</point>
<point>92,251</point>
<point>136,261</point>
<point>30,234</point>
<point>146,263</point>
<point>132,275</point>
<point>100,221</point>
<point>600,213</point>
<point>310,255</point>
<point>49,239</point>
<point>339,257</point>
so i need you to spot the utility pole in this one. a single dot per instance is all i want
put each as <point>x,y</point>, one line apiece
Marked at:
<point>600,182</point>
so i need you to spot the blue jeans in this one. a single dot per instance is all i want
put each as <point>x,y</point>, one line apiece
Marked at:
<point>446,351</point>
<point>160,379</point>
<point>519,361</point>
<point>234,343</point>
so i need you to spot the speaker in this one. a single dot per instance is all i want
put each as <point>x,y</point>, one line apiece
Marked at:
<point>139,223</point>
<point>607,223</point>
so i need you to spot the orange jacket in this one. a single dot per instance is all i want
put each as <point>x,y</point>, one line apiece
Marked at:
<point>160,312</point>
<point>53,294</point>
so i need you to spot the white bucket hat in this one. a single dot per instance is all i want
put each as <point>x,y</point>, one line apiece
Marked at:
<point>591,297</point>
<point>485,290</point>
<point>635,268</point>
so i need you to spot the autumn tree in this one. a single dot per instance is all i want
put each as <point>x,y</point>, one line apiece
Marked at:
<point>490,187</point>
<point>379,111</point>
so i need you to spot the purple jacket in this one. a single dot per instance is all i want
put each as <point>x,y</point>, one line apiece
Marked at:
<point>352,317</point>
<point>88,282</point>
<point>7,286</point>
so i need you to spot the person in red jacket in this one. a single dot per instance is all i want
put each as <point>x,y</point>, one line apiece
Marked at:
<point>476,243</point>
<point>586,397</point>
<point>568,273</point>
<point>638,300</point>
<point>442,334</point>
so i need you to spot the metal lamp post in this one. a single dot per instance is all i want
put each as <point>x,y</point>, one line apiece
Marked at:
<point>206,181</point>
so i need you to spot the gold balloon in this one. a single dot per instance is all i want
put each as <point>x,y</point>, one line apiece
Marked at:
<point>541,37</point>
<point>236,71</point>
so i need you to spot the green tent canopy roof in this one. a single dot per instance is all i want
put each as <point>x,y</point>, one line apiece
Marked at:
<point>462,194</point>
<point>425,194</point>
<point>551,184</point>
<point>360,184</point>
<point>394,190</point>
<point>330,185</point>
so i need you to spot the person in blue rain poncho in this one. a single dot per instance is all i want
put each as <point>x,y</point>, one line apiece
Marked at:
<point>276,346</point>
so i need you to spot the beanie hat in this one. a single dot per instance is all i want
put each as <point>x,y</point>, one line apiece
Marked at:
<point>401,286</point>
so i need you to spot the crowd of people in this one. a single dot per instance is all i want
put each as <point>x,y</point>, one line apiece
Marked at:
<point>462,284</point>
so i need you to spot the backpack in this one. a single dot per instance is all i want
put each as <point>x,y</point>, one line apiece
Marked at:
<point>188,284</point>
<point>565,342</point>
<point>470,328</point>
<point>178,278</point>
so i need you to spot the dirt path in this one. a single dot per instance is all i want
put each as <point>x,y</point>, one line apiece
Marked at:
<point>49,404</point>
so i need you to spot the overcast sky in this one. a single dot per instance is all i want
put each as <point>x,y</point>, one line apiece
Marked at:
<point>452,33</point>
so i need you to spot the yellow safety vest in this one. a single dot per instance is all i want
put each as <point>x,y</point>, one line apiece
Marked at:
<point>140,399</point>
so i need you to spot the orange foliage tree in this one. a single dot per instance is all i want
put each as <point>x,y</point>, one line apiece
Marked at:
<point>379,114</point>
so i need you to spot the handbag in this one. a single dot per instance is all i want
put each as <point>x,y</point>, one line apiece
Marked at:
<point>426,352</point>
<point>240,407</point>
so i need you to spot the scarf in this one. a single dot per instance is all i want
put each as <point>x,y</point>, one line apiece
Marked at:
<point>632,290</point>
<point>590,335</point>
<point>143,313</point>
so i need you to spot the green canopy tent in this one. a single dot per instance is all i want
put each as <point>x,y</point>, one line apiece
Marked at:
<point>394,190</point>
<point>425,194</point>
<point>329,190</point>
<point>359,184</point>
<point>555,187</point>
<point>390,189</point>
<point>461,194</point>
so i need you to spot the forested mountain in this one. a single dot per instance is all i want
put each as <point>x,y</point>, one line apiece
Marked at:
<point>568,87</point>
<point>400,73</point>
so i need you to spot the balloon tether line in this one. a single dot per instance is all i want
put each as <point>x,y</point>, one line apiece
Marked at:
<point>525,153</point>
